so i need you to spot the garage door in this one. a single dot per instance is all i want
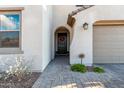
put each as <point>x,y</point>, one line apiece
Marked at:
<point>108,44</point>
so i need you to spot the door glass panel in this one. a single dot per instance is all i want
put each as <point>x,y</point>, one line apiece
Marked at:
<point>62,43</point>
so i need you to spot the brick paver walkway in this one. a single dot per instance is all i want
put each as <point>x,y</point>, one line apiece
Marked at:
<point>58,75</point>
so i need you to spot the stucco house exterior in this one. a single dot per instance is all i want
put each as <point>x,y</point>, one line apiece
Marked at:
<point>44,33</point>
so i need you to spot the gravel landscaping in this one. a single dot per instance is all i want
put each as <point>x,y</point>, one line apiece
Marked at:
<point>26,82</point>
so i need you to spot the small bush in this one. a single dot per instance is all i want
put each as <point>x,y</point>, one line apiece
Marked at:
<point>17,71</point>
<point>79,68</point>
<point>98,70</point>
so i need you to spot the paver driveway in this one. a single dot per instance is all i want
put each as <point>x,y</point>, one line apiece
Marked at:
<point>58,75</point>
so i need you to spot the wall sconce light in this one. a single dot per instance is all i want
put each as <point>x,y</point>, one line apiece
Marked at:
<point>85,26</point>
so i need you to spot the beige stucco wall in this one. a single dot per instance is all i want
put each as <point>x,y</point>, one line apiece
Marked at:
<point>36,38</point>
<point>83,40</point>
<point>40,24</point>
<point>31,38</point>
<point>47,24</point>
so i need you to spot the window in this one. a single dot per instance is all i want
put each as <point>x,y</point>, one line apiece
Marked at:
<point>10,31</point>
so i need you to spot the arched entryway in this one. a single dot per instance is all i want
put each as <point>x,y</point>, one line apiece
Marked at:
<point>62,41</point>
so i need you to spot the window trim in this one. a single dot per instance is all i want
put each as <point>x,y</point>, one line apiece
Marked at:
<point>13,50</point>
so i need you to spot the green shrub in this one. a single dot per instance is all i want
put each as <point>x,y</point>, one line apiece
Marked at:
<point>79,68</point>
<point>98,70</point>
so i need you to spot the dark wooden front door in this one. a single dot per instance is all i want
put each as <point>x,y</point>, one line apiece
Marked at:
<point>62,43</point>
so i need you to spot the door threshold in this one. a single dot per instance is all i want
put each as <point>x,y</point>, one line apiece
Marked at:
<point>62,54</point>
